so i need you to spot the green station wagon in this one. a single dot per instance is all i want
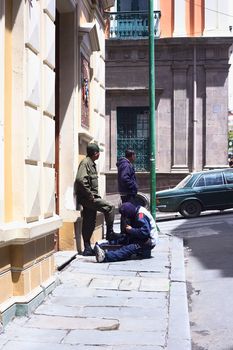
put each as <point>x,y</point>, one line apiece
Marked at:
<point>197,192</point>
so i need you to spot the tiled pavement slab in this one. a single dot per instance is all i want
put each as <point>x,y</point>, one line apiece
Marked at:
<point>110,306</point>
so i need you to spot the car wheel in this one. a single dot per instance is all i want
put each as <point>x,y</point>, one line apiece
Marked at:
<point>190,209</point>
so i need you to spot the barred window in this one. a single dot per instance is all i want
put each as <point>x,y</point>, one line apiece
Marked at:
<point>133,133</point>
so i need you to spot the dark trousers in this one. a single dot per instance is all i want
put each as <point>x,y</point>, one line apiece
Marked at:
<point>127,251</point>
<point>129,198</point>
<point>90,209</point>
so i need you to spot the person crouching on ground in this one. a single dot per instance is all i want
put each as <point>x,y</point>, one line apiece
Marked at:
<point>140,238</point>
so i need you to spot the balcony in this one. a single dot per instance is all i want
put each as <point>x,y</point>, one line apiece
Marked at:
<point>131,24</point>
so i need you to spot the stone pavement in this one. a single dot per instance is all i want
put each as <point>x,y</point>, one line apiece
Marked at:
<point>130,305</point>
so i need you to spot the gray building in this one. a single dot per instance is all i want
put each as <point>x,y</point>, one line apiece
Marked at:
<point>191,75</point>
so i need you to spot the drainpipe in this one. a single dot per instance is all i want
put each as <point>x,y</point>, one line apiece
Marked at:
<point>194,109</point>
<point>152,110</point>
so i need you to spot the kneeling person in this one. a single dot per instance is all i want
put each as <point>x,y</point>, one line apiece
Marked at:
<point>140,238</point>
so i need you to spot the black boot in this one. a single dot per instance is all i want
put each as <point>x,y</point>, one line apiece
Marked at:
<point>111,235</point>
<point>88,251</point>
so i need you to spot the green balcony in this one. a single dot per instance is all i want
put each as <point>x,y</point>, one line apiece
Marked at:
<point>131,24</point>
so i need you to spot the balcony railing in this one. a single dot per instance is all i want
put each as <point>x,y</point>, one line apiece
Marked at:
<point>131,24</point>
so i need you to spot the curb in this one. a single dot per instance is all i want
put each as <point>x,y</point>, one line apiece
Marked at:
<point>179,336</point>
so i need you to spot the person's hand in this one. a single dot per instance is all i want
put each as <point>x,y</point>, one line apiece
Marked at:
<point>128,228</point>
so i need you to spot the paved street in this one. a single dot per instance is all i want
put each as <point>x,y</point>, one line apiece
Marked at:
<point>136,304</point>
<point>209,273</point>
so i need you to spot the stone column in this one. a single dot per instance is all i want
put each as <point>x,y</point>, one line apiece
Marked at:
<point>180,120</point>
<point>215,124</point>
<point>113,136</point>
<point>198,116</point>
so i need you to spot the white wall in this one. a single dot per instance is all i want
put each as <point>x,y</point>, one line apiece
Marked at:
<point>218,17</point>
<point>179,18</point>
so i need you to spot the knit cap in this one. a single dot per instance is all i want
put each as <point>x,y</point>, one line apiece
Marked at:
<point>128,210</point>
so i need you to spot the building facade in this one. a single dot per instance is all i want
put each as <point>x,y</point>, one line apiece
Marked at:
<point>192,44</point>
<point>52,103</point>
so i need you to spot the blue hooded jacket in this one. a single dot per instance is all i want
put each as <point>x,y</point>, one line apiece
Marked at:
<point>142,223</point>
<point>127,183</point>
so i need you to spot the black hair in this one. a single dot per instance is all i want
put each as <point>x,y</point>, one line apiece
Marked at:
<point>129,153</point>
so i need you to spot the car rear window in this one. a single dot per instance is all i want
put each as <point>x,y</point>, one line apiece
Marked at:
<point>182,183</point>
<point>213,179</point>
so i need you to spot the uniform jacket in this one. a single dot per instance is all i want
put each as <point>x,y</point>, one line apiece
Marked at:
<point>86,182</point>
<point>127,183</point>
<point>143,227</point>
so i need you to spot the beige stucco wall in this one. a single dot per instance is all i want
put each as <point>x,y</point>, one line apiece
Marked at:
<point>2,71</point>
<point>28,221</point>
<point>30,112</point>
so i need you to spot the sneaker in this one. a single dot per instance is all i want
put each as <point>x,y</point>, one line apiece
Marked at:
<point>88,252</point>
<point>99,253</point>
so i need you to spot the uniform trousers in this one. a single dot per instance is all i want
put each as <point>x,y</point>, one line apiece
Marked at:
<point>89,211</point>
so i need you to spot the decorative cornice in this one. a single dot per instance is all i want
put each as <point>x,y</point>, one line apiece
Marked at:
<point>91,31</point>
<point>20,231</point>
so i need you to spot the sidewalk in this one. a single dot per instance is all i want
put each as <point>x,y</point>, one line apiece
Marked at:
<point>130,305</point>
<point>115,199</point>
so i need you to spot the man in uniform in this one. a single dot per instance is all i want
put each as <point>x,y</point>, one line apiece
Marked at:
<point>86,191</point>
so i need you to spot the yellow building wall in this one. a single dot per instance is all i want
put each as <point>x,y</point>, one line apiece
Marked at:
<point>8,196</point>
<point>26,250</point>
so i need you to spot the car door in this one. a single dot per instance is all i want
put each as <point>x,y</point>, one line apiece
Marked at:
<point>228,175</point>
<point>211,190</point>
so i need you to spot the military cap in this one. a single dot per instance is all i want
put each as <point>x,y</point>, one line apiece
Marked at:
<point>92,148</point>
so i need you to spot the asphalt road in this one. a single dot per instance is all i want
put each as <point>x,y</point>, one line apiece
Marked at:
<point>209,272</point>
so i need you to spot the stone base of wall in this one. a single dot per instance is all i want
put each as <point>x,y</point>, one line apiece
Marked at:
<point>25,305</point>
<point>70,237</point>
<point>163,181</point>
<point>26,266</point>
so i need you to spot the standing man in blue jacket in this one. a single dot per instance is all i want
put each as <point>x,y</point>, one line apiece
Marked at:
<point>127,183</point>
<point>140,238</point>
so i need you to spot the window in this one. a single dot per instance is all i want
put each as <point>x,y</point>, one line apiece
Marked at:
<point>183,182</point>
<point>200,182</point>
<point>133,132</point>
<point>132,5</point>
<point>229,177</point>
<point>210,180</point>
<point>213,179</point>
